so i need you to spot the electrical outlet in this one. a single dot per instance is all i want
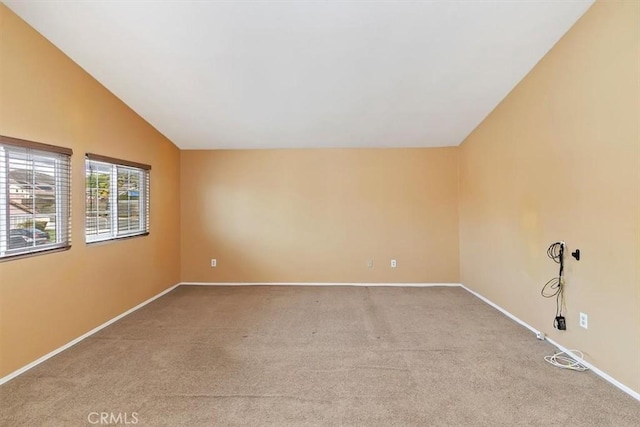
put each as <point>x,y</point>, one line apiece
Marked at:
<point>393,263</point>
<point>584,320</point>
<point>370,263</point>
<point>213,262</point>
<point>540,335</point>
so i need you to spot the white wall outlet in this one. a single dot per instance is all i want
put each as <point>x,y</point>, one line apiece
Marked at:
<point>370,263</point>
<point>213,262</point>
<point>584,320</point>
<point>540,335</point>
<point>393,263</point>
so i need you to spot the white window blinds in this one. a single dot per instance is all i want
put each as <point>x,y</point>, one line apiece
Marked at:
<point>117,198</point>
<point>35,184</point>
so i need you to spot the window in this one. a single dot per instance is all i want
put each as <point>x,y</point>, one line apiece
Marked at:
<point>117,198</point>
<point>34,197</point>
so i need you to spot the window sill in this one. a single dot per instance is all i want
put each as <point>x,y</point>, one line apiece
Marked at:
<point>115,239</point>
<point>34,253</point>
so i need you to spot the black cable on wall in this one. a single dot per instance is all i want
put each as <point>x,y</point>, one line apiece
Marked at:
<point>555,286</point>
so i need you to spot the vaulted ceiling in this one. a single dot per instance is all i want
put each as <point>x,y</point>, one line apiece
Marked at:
<point>258,74</point>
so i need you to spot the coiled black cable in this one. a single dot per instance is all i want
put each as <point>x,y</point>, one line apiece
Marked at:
<point>555,286</point>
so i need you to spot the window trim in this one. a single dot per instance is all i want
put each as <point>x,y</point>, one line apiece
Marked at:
<point>14,257</point>
<point>114,239</point>
<point>23,143</point>
<point>125,163</point>
<point>120,162</point>
<point>54,149</point>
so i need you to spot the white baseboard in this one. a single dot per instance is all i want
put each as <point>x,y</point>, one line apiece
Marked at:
<point>595,370</point>
<point>49,355</point>
<point>598,371</point>
<point>502,310</point>
<point>404,285</point>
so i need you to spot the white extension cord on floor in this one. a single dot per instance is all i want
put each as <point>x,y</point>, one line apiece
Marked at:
<point>563,360</point>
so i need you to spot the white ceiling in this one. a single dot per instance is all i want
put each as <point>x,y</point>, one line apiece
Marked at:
<point>259,74</point>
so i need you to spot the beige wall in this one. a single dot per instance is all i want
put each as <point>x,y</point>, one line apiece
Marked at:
<point>47,301</point>
<point>559,159</point>
<point>319,215</point>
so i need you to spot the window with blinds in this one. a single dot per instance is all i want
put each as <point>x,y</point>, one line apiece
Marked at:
<point>117,198</point>
<point>35,182</point>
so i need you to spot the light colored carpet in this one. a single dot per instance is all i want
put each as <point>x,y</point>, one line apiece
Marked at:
<point>288,356</point>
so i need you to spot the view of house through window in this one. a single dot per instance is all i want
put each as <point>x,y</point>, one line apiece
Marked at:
<point>34,194</point>
<point>117,199</point>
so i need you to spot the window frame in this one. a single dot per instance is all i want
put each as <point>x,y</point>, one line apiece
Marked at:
<point>144,198</point>
<point>61,157</point>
